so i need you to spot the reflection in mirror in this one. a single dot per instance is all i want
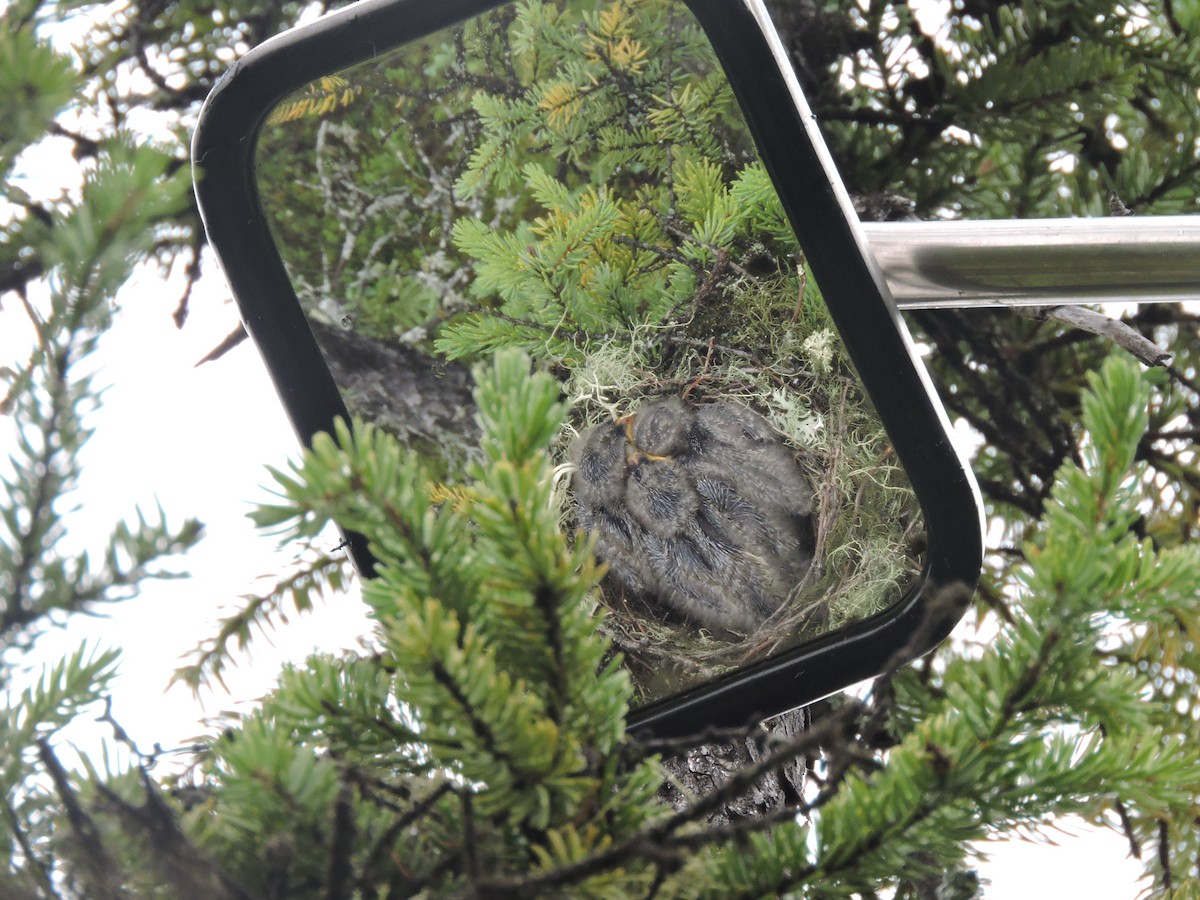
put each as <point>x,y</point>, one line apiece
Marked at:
<point>574,178</point>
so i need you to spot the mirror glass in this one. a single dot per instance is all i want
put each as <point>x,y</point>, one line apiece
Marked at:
<point>575,178</point>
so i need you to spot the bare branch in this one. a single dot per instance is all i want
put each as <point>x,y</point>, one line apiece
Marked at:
<point>1140,347</point>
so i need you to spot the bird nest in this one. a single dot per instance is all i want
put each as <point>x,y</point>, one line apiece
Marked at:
<point>741,490</point>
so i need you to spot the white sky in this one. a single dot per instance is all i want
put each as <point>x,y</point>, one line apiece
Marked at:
<point>196,441</point>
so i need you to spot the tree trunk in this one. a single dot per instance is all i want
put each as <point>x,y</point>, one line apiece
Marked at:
<point>707,768</point>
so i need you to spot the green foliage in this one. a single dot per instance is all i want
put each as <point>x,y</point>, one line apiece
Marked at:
<point>590,188</point>
<point>630,144</point>
<point>42,708</point>
<point>481,746</point>
<point>91,251</point>
<point>490,682</point>
<point>599,196</point>
<point>483,740</point>
<point>1048,720</point>
<point>85,246</point>
<point>36,83</point>
<point>1019,110</point>
<point>112,228</point>
<point>32,833</point>
<point>306,582</point>
<point>1024,110</point>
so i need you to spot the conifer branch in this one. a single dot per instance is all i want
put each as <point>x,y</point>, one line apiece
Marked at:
<point>103,875</point>
<point>42,869</point>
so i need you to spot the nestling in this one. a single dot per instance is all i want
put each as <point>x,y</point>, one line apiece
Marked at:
<point>702,509</point>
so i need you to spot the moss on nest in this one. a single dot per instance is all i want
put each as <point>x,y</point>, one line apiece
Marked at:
<point>769,344</point>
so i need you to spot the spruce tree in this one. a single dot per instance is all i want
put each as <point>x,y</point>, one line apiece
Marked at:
<point>479,748</point>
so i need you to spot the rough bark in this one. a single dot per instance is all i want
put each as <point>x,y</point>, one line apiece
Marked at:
<point>704,769</point>
<point>423,400</point>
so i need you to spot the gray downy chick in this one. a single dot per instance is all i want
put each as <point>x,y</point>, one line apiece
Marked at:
<point>600,467</point>
<point>727,441</point>
<point>662,428</point>
<point>692,561</point>
<point>737,452</point>
<point>598,486</point>
<point>766,476</point>
<point>701,509</point>
<point>766,469</point>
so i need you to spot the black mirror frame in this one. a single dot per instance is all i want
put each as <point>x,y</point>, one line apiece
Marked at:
<point>794,154</point>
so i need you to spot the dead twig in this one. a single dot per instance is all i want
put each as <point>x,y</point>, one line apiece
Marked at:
<point>1128,339</point>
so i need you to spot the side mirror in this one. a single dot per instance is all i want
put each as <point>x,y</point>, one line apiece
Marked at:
<point>636,193</point>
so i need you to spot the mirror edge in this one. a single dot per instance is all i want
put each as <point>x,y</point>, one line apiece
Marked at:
<point>870,325</point>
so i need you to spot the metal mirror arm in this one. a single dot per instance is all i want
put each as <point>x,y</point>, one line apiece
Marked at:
<point>1038,262</point>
